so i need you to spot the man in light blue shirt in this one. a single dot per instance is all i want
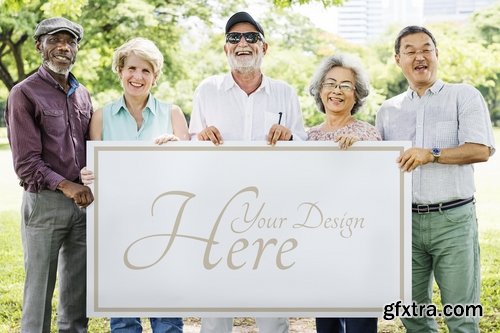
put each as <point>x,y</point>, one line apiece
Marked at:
<point>450,128</point>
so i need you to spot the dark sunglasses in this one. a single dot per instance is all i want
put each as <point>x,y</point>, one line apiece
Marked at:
<point>250,37</point>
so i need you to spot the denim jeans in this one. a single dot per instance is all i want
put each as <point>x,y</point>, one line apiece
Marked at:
<point>445,246</point>
<point>159,325</point>
<point>346,325</point>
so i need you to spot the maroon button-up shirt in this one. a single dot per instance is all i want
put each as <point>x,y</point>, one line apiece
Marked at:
<point>47,130</point>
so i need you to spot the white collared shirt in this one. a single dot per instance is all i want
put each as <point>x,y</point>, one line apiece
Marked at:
<point>446,116</point>
<point>220,102</point>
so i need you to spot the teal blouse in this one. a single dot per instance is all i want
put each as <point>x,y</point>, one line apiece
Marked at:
<point>118,123</point>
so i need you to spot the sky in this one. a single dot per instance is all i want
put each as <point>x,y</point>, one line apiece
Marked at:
<point>324,18</point>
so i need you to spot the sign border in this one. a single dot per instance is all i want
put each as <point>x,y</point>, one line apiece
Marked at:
<point>404,213</point>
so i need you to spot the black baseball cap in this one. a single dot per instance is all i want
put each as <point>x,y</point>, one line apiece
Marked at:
<point>241,17</point>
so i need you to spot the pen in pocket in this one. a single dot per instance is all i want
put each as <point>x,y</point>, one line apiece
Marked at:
<point>279,119</point>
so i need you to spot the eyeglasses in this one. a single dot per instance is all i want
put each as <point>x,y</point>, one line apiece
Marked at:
<point>250,37</point>
<point>424,52</point>
<point>343,86</point>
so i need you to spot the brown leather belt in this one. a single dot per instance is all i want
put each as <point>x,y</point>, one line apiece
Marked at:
<point>424,209</point>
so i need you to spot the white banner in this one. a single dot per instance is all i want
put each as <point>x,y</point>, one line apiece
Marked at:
<point>298,229</point>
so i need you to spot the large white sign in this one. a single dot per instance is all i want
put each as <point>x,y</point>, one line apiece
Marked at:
<point>298,229</point>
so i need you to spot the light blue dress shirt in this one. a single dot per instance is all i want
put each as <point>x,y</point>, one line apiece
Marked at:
<point>445,116</point>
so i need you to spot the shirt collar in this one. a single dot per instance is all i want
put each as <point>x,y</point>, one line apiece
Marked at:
<point>73,84</point>
<point>229,83</point>
<point>45,75</point>
<point>120,105</point>
<point>434,89</point>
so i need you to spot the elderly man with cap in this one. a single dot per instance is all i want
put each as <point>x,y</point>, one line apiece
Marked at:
<point>48,118</point>
<point>245,105</point>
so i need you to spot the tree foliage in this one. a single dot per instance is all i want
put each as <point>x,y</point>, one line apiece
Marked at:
<point>107,24</point>
<point>487,23</point>
<point>191,37</point>
<point>290,3</point>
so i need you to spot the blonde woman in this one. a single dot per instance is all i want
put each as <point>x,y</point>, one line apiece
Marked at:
<point>138,115</point>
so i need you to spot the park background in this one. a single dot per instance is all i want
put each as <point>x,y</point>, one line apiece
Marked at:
<point>190,35</point>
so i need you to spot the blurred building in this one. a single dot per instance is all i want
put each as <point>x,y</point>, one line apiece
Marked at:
<point>452,10</point>
<point>361,21</point>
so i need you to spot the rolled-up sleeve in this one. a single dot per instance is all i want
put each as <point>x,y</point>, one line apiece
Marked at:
<point>474,119</point>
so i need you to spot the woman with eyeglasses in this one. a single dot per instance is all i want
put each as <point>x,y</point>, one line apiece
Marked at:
<point>340,87</point>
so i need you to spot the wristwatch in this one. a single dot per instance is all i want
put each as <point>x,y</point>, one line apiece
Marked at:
<point>436,152</point>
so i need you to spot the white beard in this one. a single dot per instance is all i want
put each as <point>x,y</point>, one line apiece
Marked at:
<point>245,65</point>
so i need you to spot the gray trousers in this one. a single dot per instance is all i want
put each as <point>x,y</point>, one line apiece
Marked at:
<point>53,232</point>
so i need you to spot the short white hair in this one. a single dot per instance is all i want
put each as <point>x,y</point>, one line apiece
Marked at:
<point>141,47</point>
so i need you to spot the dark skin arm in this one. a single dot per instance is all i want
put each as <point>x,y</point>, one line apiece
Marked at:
<point>80,194</point>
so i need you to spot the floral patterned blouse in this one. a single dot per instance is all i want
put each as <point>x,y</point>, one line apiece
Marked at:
<point>361,129</point>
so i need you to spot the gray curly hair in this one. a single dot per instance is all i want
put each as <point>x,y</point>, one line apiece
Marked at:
<point>351,62</point>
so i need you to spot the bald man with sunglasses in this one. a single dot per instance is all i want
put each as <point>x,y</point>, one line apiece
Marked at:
<point>245,105</point>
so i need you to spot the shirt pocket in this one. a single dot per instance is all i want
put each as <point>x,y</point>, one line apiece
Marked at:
<point>446,134</point>
<point>54,121</point>
<point>84,117</point>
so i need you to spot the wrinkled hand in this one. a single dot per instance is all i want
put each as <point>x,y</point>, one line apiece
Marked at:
<point>413,158</point>
<point>278,133</point>
<point>165,138</point>
<point>81,195</point>
<point>211,133</point>
<point>345,141</point>
<point>87,176</point>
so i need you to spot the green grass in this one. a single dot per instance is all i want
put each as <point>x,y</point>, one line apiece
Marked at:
<point>4,144</point>
<point>12,273</point>
<point>490,287</point>
<point>12,277</point>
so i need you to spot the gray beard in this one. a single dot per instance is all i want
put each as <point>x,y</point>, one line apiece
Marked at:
<point>58,70</point>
